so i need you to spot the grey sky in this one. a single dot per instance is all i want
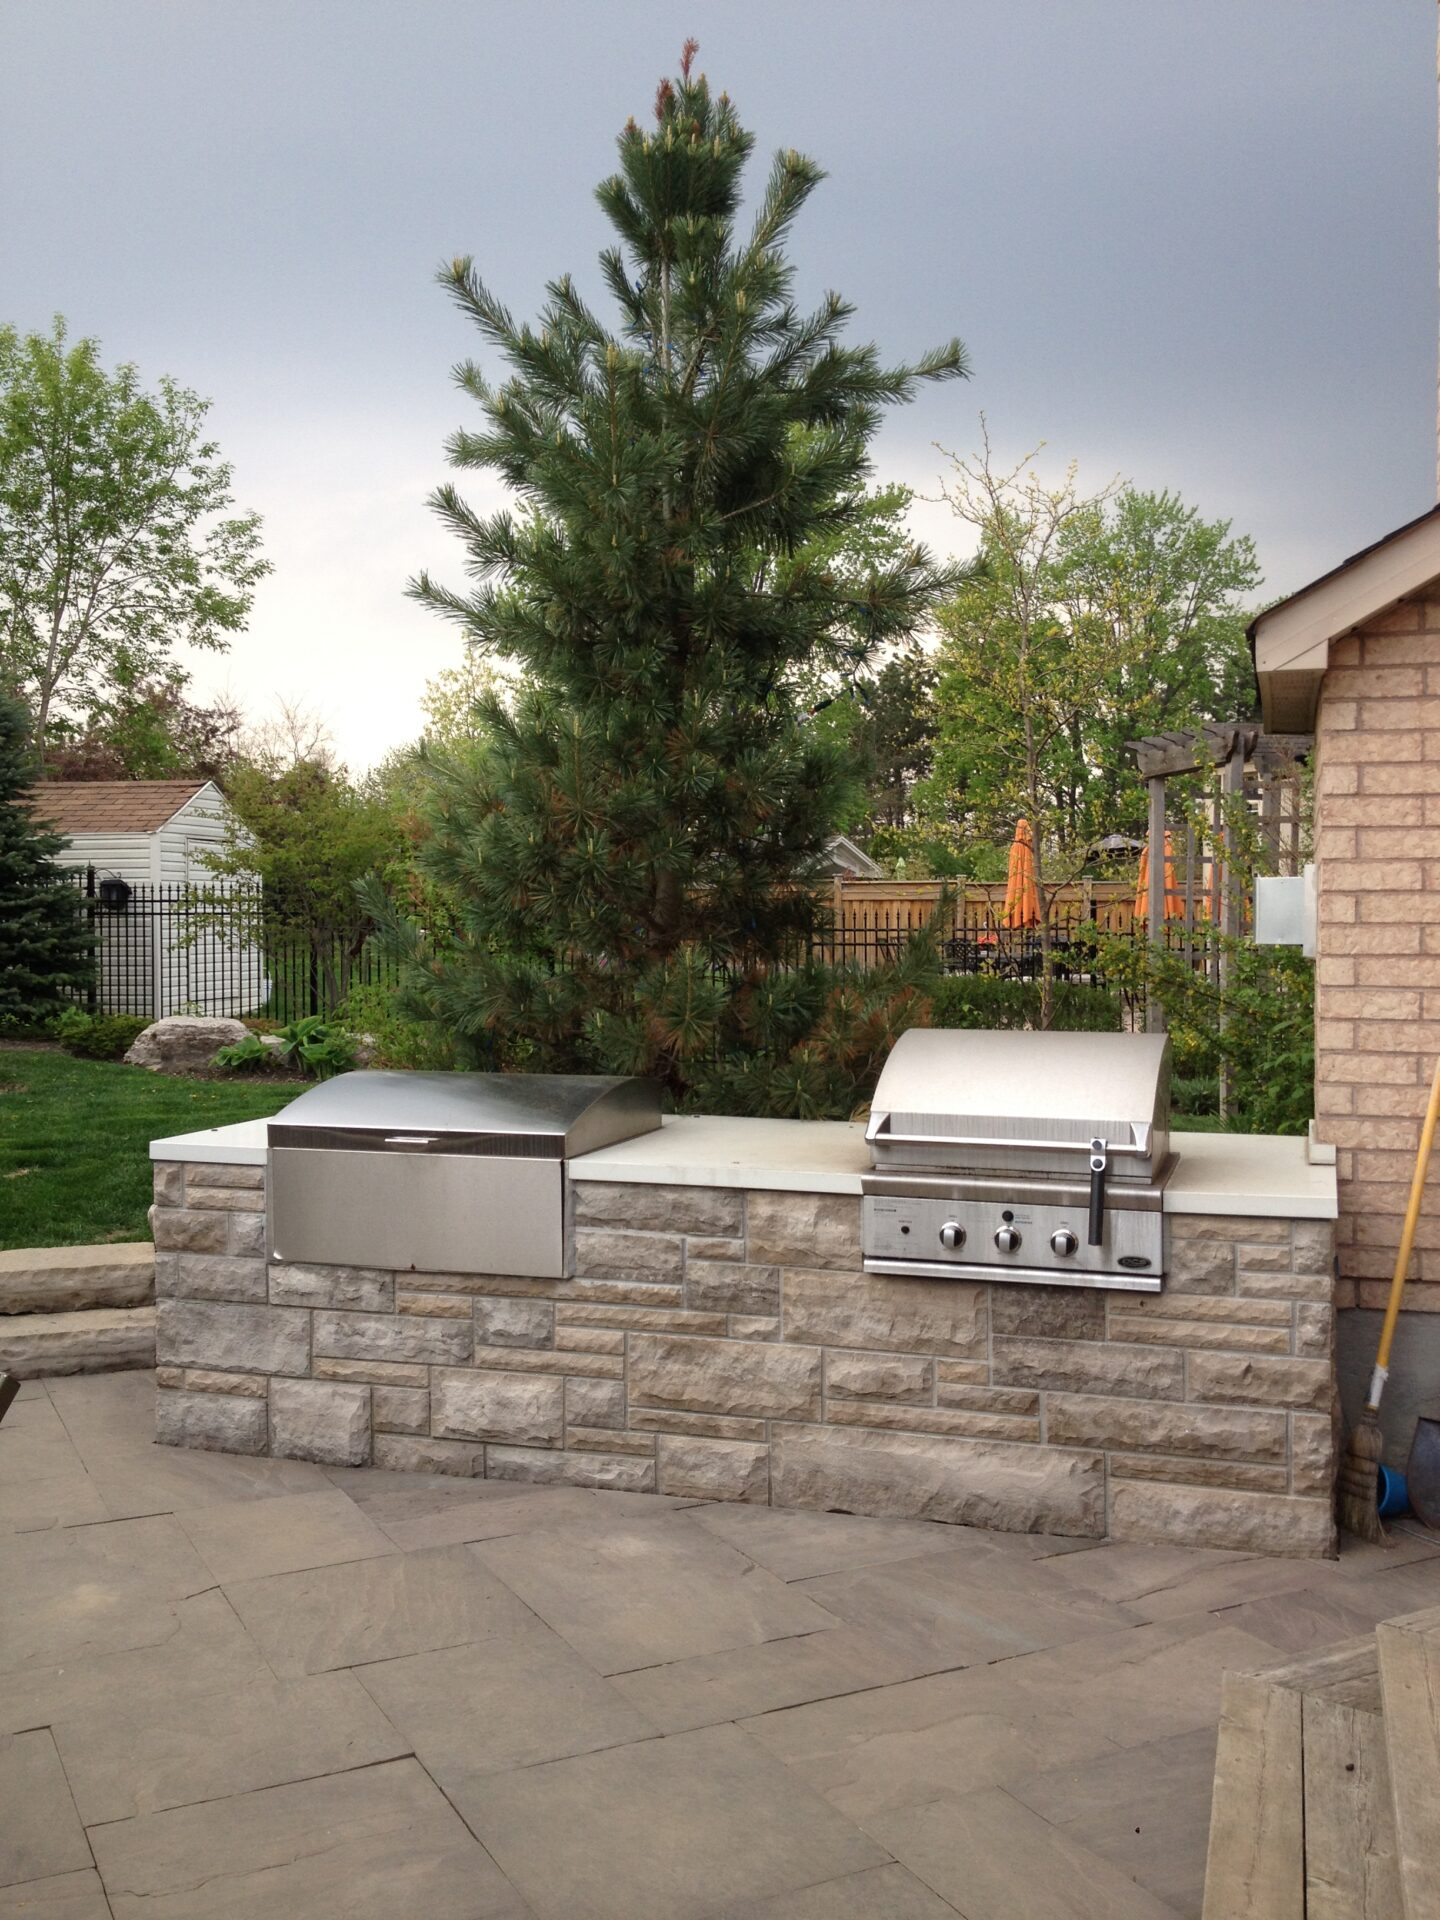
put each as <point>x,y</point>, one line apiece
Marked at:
<point>1190,241</point>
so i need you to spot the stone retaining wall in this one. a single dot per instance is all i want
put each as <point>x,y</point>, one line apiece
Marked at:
<point>723,1345</point>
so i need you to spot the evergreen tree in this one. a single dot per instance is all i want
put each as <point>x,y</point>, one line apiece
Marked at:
<point>631,856</point>
<point>44,944</point>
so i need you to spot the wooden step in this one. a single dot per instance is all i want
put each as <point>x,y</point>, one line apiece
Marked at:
<point>1409,1650</point>
<point>98,1340</point>
<point>72,1279</point>
<point>1301,1825</point>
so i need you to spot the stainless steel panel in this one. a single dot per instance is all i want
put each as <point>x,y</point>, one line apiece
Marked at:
<point>1018,1187</point>
<point>424,1213</point>
<point>1032,1276</point>
<point>907,1230</point>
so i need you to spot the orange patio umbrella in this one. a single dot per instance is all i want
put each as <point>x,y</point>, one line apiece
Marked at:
<point>1022,896</point>
<point>1174,897</point>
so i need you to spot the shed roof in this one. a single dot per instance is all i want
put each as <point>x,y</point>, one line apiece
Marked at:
<point>111,806</point>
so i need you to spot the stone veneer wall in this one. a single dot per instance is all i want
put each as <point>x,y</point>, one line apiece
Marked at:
<point>723,1345</point>
<point>1377,967</point>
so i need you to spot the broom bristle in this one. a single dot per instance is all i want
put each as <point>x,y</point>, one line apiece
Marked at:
<point>1359,1476</point>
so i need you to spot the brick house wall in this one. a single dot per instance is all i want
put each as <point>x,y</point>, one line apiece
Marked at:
<point>1377,1027</point>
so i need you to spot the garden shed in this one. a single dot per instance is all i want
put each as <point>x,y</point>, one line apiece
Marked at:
<point>139,847</point>
<point>1355,657</point>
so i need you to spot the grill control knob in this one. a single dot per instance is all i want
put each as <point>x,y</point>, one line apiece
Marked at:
<point>1063,1242</point>
<point>952,1236</point>
<point>1007,1239</point>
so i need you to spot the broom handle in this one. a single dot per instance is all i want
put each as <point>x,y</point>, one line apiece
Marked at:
<point>1407,1241</point>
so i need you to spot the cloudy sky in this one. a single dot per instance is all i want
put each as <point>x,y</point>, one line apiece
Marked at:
<point>1191,242</point>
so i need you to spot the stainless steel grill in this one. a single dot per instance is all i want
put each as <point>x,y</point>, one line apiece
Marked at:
<point>442,1172</point>
<point>1036,1157</point>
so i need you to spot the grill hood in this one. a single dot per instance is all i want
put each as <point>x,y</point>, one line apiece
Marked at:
<point>547,1116</point>
<point>1031,1102</point>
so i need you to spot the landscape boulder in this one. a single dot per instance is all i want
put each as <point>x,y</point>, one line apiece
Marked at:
<point>184,1043</point>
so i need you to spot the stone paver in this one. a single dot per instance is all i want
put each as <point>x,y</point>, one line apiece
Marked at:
<point>248,1687</point>
<point>40,1831</point>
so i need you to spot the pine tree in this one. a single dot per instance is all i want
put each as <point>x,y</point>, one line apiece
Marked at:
<point>45,953</point>
<point>632,855</point>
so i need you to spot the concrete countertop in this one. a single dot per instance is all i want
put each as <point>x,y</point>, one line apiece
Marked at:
<point>1260,1175</point>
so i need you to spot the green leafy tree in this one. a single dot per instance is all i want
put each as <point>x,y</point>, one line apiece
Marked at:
<point>631,851</point>
<point>45,948</point>
<point>307,837</point>
<point>1088,622</point>
<point>149,732</point>
<point>115,545</point>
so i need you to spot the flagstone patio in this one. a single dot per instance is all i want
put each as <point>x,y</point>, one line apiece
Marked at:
<point>243,1687</point>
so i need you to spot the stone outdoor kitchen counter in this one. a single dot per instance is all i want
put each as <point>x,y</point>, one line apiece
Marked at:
<point>719,1341</point>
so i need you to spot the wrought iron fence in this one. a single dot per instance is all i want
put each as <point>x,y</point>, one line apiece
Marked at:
<point>163,950</point>
<point>173,949</point>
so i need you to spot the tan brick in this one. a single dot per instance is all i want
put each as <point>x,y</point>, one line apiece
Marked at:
<point>1259,1380</point>
<point>1199,1473</point>
<point>596,1366</point>
<point>1220,1517</point>
<point>987,1399</point>
<point>366,1373</point>
<point>435,1306</point>
<point>712,1426</point>
<point>223,1199</point>
<point>206,1380</point>
<point>979,1426</point>
<point>1392,680</point>
<point>606,1440</point>
<point>639,1319</point>
<point>594,1340</point>
<point>712,1211</point>
<point>1373,810</point>
<point>1201,1334</point>
<point>725,1376</point>
<point>878,1376</point>
<point>622,1293</point>
<point>1149,1426</point>
<point>168,1179</point>
<point>1087,1366</point>
<point>400,1409</point>
<point>754,1326</point>
<point>615,1253</point>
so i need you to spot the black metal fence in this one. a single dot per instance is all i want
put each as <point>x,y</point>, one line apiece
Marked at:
<point>172,949</point>
<point>163,950</point>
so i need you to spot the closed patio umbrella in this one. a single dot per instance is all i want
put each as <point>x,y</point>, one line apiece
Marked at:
<point>1174,895</point>
<point>1022,896</point>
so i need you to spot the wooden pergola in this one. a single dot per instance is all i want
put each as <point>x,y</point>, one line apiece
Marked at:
<point>1227,748</point>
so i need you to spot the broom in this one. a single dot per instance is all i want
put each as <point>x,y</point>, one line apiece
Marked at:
<point>1359,1471</point>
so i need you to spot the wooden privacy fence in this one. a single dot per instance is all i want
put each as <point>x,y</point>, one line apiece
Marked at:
<point>874,918</point>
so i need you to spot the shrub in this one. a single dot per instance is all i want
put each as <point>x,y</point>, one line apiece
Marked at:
<point>1259,1033</point>
<point>981,1000</point>
<point>370,1013</point>
<point>98,1036</point>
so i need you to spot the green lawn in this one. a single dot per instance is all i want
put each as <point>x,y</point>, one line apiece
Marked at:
<point>75,1141</point>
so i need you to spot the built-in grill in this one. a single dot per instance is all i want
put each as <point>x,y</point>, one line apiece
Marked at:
<point>1035,1157</point>
<point>442,1172</point>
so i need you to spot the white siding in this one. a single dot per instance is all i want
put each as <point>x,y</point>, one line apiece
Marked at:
<point>128,855</point>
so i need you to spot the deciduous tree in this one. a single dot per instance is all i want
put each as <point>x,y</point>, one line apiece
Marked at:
<point>116,541</point>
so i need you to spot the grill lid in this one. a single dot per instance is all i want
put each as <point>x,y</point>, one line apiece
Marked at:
<point>1021,1100</point>
<point>542,1115</point>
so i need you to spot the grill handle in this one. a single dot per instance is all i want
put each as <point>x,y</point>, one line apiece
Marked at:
<point>882,1131</point>
<point>1099,1161</point>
